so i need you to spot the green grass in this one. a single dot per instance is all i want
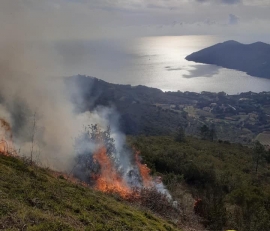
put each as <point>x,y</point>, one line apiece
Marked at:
<point>31,198</point>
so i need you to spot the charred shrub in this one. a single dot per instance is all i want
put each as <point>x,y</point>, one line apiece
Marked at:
<point>156,202</point>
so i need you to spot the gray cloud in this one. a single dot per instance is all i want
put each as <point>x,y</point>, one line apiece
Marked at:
<point>221,1</point>
<point>95,19</point>
<point>231,1</point>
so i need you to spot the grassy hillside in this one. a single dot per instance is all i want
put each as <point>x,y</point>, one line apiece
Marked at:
<point>31,198</point>
<point>223,175</point>
<point>234,192</point>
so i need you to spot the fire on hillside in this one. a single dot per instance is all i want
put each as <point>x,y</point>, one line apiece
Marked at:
<point>103,167</point>
<point>112,170</point>
<point>6,144</point>
<point>110,181</point>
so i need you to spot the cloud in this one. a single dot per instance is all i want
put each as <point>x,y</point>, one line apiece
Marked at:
<point>228,2</point>
<point>233,19</point>
<point>99,19</point>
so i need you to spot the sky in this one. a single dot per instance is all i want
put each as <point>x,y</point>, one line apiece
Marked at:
<point>109,19</point>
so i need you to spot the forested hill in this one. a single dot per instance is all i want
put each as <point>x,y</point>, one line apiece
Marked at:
<point>254,59</point>
<point>149,111</point>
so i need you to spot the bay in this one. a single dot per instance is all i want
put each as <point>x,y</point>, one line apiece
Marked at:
<point>155,62</point>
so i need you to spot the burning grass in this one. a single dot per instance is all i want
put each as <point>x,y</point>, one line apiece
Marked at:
<point>108,179</point>
<point>6,144</point>
<point>105,169</point>
<point>32,198</point>
<point>121,174</point>
<point>144,171</point>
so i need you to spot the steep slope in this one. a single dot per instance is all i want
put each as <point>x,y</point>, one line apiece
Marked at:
<point>254,59</point>
<point>32,198</point>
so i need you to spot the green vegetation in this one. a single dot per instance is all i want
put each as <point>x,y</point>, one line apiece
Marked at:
<point>32,198</point>
<point>250,58</point>
<point>207,134</point>
<point>232,180</point>
<point>149,111</point>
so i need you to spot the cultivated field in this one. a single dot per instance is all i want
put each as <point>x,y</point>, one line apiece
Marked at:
<point>264,138</point>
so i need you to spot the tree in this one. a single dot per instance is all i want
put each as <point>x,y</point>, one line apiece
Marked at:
<point>86,145</point>
<point>267,156</point>
<point>204,131</point>
<point>207,134</point>
<point>33,139</point>
<point>212,134</point>
<point>259,154</point>
<point>222,95</point>
<point>180,135</point>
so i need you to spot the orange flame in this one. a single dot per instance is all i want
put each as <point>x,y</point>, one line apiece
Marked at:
<point>6,146</point>
<point>144,171</point>
<point>109,180</point>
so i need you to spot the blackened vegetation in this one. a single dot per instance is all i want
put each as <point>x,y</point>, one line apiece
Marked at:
<point>158,203</point>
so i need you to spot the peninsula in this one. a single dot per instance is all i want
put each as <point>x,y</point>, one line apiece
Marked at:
<point>254,59</point>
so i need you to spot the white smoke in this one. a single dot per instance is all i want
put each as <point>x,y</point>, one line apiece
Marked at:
<point>37,104</point>
<point>32,99</point>
<point>159,186</point>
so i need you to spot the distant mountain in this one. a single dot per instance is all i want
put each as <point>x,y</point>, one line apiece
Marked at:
<point>254,59</point>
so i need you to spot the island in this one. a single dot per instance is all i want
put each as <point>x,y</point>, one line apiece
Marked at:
<point>254,59</point>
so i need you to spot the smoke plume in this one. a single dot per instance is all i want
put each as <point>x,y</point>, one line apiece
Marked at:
<point>35,103</point>
<point>32,99</point>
